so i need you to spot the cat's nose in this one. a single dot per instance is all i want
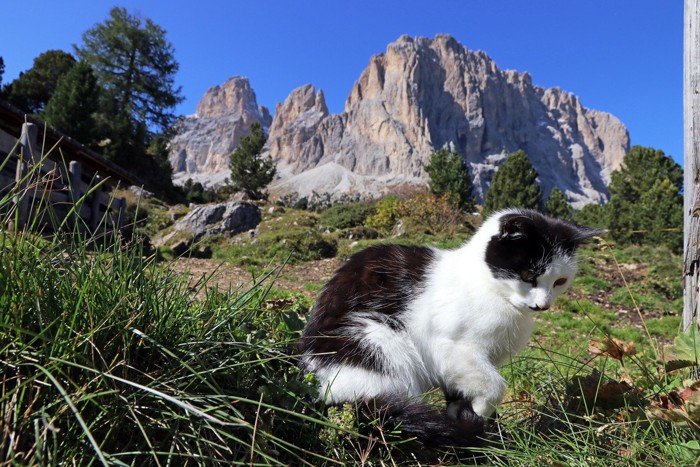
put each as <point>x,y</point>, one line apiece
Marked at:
<point>540,307</point>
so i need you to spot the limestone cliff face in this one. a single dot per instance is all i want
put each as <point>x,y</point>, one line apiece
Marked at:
<point>204,141</point>
<point>424,94</point>
<point>419,96</point>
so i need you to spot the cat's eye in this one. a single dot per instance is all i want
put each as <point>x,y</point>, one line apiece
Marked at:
<point>560,281</point>
<point>527,276</point>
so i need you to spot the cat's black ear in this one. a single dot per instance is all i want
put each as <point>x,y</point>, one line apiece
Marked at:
<point>513,228</point>
<point>583,234</point>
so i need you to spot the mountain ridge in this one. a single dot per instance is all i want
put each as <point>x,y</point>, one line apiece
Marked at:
<point>422,94</point>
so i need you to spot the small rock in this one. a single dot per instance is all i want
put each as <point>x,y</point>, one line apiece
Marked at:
<point>240,196</point>
<point>141,192</point>
<point>399,229</point>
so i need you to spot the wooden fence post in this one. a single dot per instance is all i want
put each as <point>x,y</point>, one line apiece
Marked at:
<point>95,208</point>
<point>27,152</point>
<point>28,142</point>
<point>75,176</point>
<point>691,200</point>
<point>121,213</point>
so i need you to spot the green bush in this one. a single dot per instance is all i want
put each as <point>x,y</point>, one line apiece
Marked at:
<point>277,247</point>
<point>345,216</point>
<point>386,215</point>
<point>298,245</point>
<point>420,213</point>
<point>432,213</point>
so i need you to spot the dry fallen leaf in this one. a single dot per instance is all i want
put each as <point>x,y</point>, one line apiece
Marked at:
<point>607,395</point>
<point>681,407</point>
<point>612,347</point>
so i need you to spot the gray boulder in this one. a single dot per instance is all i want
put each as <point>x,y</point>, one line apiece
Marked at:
<point>228,218</point>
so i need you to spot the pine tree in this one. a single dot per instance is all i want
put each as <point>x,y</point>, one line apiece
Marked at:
<point>592,215</point>
<point>134,63</point>
<point>646,199</point>
<point>514,185</point>
<point>449,173</point>
<point>558,206</point>
<point>2,69</point>
<point>250,172</point>
<point>72,107</point>
<point>34,87</point>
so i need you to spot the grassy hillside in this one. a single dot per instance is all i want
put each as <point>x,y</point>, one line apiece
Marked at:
<point>107,356</point>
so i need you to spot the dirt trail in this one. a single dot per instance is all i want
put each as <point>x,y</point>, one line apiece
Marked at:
<point>293,277</point>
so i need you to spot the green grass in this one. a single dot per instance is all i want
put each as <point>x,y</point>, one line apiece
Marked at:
<point>107,357</point>
<point>287,235</point>
<point>295,235</point>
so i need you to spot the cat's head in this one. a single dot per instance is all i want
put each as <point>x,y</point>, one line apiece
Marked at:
<point>533,257</point>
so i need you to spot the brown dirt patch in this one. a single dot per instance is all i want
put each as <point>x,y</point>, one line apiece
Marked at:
<point>292,277</point>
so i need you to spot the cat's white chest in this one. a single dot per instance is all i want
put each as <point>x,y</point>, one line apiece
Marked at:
<point>465,307</point>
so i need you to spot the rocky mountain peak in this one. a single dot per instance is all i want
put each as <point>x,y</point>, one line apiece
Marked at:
<point>423,94</point>
<point>418,96</point>
<point>204,141</point>
<point>234,96</point>
<point>302,105</point>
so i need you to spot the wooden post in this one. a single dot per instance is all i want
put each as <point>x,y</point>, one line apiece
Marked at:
<point>75,175</point>
<point>21,200</point>
<point>95,216</point>
<point>691,201</point>
<point>27,153</point>
<point>121,213</point>
<point>28,142</point>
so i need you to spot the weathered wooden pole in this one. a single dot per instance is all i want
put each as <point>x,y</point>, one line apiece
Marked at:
<point>27,153</point>
<point>121,213</point>
<point>95,216</point>
<point>691,200</point>
<point>75,176</point>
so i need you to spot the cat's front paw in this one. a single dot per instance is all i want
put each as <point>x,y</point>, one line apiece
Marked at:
<point>485,403</point>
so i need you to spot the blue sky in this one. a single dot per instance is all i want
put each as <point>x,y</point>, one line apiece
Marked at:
<point>620,56</point>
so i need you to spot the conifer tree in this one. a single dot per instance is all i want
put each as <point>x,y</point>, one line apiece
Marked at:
<point>449,173</point>
<point>34,87</point>
<point>250,172</point>
<point>592,215</point>
<point>514,185</point>
<point>73,105</point>
<point>135,65</point>
<point>558,206</point>
<point>646,199</point>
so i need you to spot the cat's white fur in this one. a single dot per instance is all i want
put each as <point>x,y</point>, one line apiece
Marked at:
<point>459,330</point>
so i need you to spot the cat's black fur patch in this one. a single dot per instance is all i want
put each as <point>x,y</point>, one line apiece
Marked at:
<point>429,425</point>
<point>380,281</point>
<point>527,241</point>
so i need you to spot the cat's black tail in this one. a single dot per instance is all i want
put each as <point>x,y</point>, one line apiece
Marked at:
<point>430,426</point>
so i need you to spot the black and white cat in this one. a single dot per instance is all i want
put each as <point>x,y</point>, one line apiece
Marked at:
<point>397,321</point>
